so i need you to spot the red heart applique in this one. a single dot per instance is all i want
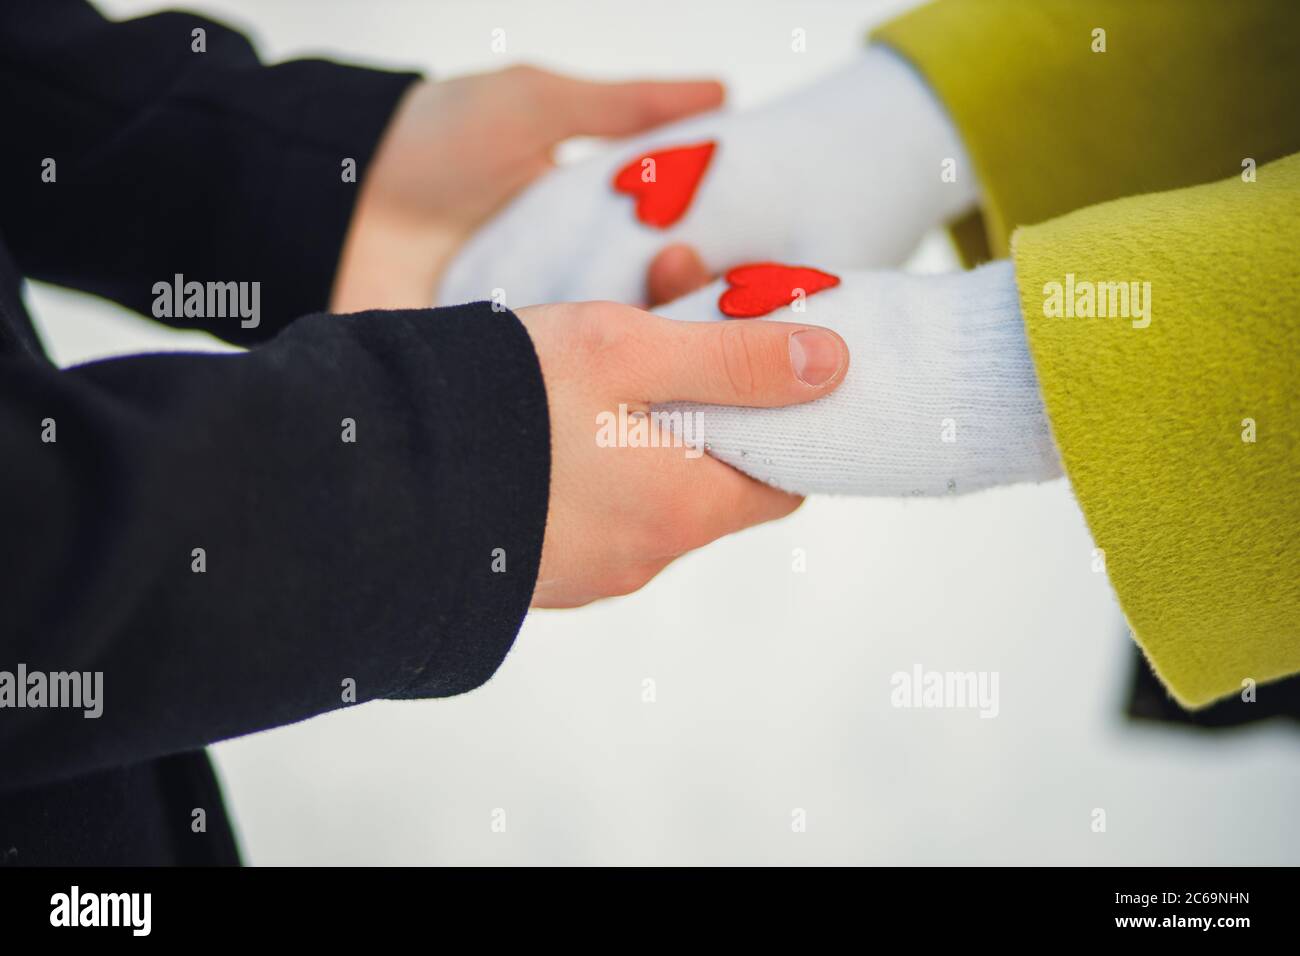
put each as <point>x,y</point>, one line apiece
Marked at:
<point>762,287</point>
<point>676,175</point>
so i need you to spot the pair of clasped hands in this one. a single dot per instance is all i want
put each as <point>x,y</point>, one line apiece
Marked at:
<point>454,153</point>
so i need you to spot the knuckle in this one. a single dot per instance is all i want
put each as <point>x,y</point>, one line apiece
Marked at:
<point>602,310</point>
<point>525,73</point>
<point>595,328</point>
<point>762,504</point>
<point>737,356</point>
<point>627,581</point>
<point>531,85</point>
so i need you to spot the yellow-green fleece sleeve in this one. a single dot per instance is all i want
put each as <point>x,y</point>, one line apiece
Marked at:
<point>1177,419</point>
<point>1184,92</point>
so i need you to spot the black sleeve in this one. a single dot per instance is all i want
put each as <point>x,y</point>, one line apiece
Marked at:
<point>169,161</point>
<point>403,561</point>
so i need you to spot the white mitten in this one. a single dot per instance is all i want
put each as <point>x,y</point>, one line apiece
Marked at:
<point>845,173</point>
<point>940,396</point>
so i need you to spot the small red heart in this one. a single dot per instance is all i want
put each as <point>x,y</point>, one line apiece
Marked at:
<point>762,287</point>
<point>677,174</point>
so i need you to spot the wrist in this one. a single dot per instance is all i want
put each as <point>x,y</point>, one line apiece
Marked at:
<point>999,430</point>
<point>942,397</point>
<point>903,121</point>
<point>926,134</point>
<point>389,261</point>
<point>396,238</point>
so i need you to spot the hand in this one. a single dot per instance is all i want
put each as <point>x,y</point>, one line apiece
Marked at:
<point>457,150</point>
<point>950,404</point>
<point>844,173</point>
<point>619,515</point>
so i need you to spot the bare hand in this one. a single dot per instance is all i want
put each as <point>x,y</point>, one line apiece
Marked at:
<point>619,515</point>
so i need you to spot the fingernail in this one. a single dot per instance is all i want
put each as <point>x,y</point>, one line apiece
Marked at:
<point>815,355</point>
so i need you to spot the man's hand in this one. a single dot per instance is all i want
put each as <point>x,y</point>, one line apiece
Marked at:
<point>619,515</point>
<point>844,172</point>
<point>457,150</point>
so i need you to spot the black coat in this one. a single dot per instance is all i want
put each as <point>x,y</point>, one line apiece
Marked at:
<point>326,561</point>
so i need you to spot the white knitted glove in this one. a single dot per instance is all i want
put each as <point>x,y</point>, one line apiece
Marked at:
<point>940,396</point>
<point>843,173</point>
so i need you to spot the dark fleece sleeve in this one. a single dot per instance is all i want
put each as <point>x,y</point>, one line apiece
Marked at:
<point>170,161</point>
<point>403,561</point>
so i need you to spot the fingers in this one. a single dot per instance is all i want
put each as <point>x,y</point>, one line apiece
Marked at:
<point>738,361</point>
<point>749,502</point>
<point>584,108</point>
<point>676,271</point>
<point>731,501</point>
<point>704,499</point>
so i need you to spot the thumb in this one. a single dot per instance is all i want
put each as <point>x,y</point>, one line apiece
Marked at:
<point>584,108</point>
<point>740,362</point>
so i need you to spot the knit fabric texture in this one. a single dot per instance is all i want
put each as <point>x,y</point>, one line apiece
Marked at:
<point>848,172</point>
<point>940,397</point>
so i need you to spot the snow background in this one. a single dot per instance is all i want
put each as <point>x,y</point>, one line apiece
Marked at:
<point>773,688</point>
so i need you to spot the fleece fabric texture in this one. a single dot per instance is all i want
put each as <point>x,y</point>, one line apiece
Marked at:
<point>1184,92</point>
<point>1199,527</point>
<point>1180,438</point>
